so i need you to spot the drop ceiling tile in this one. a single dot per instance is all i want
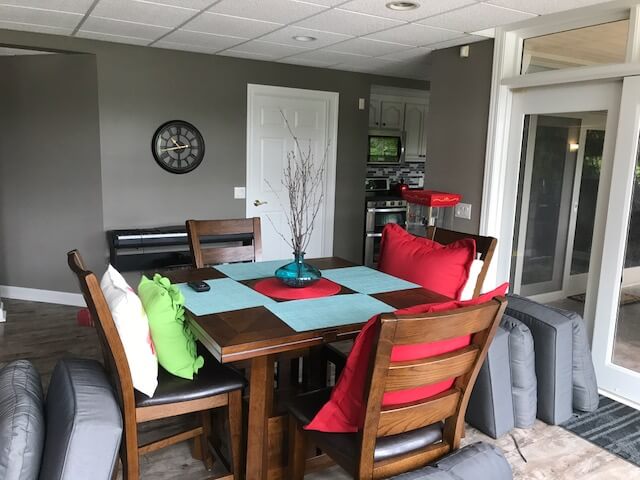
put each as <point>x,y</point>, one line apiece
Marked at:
<point>112,38</point>
<point>542,7</point>
<point>329,58</point>
<point>72,6</point>
<point>271,50</point>
<point>415,53</point>
<point>184,47</point>
<point>123,29</point>
<point>348,23</point>
<point>207,41</point>
<point>363,46</point>
<point>475,17</point>
<point>426,8</point>
<point>322,39</point>
<point>248,55</point>
<point>279,11</point>
<point>415,35</point>
<point>39,17</point>
<point>195,4</point>
<point>229,25</point>
<point>142,12</point>
<point>464,40</point>
<point>32,27</point>
<point>326,3</point>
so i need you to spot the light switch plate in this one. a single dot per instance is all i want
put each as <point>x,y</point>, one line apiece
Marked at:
<point>361,103</point>
<point>463,210</point>
<point>239,192</point>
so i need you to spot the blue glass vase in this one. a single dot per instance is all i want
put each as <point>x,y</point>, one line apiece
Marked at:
<point>298,274</point>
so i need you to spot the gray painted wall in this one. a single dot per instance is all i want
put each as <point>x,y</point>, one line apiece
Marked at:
<point>50,186</point>
<point>457,125</point>
<point>140,88</point>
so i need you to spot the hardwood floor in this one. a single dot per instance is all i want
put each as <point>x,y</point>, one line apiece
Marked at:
<point>44,333</point>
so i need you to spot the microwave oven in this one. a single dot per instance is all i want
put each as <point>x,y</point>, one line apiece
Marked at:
<point>386,147</point>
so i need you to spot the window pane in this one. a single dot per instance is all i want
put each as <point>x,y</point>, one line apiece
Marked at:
<point>595,45</point>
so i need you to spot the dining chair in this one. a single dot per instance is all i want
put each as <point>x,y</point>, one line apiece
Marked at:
<point>485,246</point>
<point>399,438</point>
<point>213,387</point>
<point>243,233</point>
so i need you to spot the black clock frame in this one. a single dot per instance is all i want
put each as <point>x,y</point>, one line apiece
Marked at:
<point>156,156</point>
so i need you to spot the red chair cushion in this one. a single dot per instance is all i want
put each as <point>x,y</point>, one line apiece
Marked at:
<point>344,412</point>
<point>440,268</point>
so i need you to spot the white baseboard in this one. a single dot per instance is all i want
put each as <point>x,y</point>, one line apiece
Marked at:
<point>37,295</point>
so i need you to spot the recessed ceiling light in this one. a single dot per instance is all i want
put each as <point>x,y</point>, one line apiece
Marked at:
<point>402,5</point>
<point>304,38</point>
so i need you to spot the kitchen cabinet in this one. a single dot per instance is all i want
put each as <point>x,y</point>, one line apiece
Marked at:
<point>415,146</point>
<point>374,112</point>
<point>391,115</point>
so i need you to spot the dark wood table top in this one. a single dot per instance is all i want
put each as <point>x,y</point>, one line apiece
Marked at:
<point>251,332</point>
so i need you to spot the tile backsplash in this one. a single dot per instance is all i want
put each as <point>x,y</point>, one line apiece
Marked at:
<point>413,173</point>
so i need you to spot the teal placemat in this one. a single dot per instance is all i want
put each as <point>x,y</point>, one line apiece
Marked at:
<point>249,271</point>
<point>225,295</point>
<point>366,280</point>
<point>302,315</point>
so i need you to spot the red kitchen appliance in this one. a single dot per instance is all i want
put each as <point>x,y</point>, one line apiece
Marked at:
<point>428,208</point>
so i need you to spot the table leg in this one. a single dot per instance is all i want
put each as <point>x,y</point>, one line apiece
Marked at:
<point>260,409</point>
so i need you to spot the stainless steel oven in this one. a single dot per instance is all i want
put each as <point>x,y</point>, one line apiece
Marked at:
<point>379,213</point>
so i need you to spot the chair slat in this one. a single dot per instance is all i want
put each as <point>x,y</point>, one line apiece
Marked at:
<point>418,373</point>
<point>452,324</point>
<point>224,227</point>
<point>216,255</point>
<point>404,418</point>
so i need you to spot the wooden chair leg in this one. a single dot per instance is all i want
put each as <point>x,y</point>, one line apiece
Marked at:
<point>207,455</point>
<point>129,453</point>
<point>297,450</point>
<point>236,445</point>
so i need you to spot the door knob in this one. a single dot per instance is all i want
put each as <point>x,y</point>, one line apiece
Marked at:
<point>257,203</point>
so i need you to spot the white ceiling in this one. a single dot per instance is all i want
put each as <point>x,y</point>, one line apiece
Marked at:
<point>353,35</point>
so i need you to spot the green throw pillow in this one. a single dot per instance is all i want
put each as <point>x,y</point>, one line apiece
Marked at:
<point>175,343</point>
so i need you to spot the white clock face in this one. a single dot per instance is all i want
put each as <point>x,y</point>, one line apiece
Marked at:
<point>178,147</point>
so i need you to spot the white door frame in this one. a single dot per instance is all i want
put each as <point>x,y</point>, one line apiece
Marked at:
<point>613,378</point>
<point>332,99</point>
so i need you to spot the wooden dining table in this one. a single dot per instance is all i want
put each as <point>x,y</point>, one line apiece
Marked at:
<point>258,336</point>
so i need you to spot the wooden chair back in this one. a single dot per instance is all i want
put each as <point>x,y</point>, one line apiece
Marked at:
<point>235,231</point>
<point>115,360</point>
<point>481,323</point>
<point>485,246</point>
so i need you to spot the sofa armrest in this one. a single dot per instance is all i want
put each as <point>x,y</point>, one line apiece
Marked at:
<point>553,341</point>
<point>84,423</point>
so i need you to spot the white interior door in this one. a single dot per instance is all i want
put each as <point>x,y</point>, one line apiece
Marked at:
<point>313,119</point>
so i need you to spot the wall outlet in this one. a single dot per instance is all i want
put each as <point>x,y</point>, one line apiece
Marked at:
<point>463,210</point>
<point>239,192</point>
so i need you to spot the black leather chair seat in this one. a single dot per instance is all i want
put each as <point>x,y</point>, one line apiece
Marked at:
<point>343,447</point>
<point>212,379</point>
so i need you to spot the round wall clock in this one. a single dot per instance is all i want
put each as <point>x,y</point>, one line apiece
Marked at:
<point>177,146</point>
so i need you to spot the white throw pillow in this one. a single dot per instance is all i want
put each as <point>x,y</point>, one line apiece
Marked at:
<point>133,328</point>
<point>470,286</point>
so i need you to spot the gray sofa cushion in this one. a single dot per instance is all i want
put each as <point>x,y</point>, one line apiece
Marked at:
<point>585,386</point>
<point>473,462</point>
<point>490,407</point>
<point>21,421</point>
<point>84,424</point>
<point>523,372</point>
<point>553,340</point>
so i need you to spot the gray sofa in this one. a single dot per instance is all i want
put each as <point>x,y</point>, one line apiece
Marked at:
<point>74,434</point>
<point>548,375</point>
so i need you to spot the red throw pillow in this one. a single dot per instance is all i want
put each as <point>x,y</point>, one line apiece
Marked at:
<point>440,268</point>
<point>344,411</point>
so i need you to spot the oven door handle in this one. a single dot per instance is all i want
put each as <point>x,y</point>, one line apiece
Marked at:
<point>374,235</point>
<point>387,210</point>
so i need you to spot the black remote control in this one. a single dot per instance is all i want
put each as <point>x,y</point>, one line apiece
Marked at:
<point>199,286</point>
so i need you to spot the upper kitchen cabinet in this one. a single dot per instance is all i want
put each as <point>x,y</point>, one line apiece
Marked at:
<point>415,146</point>
<point>391,114</point>
<point>404,110</point>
